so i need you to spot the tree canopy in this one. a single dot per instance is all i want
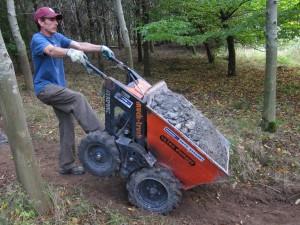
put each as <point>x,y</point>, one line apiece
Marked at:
<point>193,22</point>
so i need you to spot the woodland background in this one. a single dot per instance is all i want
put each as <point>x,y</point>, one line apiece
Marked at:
<point>212,52</point>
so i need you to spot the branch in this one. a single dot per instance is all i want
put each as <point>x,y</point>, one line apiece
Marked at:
<point>242,3</point>
<point>251,46</point>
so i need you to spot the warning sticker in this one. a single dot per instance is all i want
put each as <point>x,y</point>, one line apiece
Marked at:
<point>184,144</point>
<point>123,99</point>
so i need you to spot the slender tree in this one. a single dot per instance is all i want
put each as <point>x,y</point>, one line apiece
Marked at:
<point>105,23</point>
<point>18,135</point>
<point>124,31</point>
<point>226,14</point>
<point>91,19</point>
<point>75,11</point>
<point>146,47</point>
<point>269,110</point>
<point>138,15</point>
<point>209,52</point>
<point>22,53</point>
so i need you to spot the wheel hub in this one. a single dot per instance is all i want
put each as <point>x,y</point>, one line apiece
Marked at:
<point>98,156</point>
<point>153,192</point>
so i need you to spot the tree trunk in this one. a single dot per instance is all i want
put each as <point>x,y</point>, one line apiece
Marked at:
<point>18,135</point>
<point>146,61</point>
<point>209,53</point>
<point>231,56</point>
<point>139,47</point>
<point>78,20</point>
<point>105,26</point>
<point>269,109</point>
<point>124,31</point>
<point>57,9</point>
<point>151,45</point>
<point>91,20</point>
<point>120,46</point>
<point>138,15</point>
<point>26,20</point>
<point>194,50</point>
<point>98,32</point>
<point>23,59</point>
<point>147,67</point>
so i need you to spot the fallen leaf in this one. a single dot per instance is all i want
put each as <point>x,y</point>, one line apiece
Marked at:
<point>74,220</point>
<point>130,209</point>
<point>234,185</point>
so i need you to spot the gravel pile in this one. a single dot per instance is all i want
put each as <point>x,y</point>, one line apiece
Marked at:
<point>179,112</point>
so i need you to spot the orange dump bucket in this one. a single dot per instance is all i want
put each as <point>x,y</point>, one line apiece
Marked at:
<point>191,165</point>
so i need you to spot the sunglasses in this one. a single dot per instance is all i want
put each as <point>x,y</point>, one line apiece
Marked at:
<point>51,19</point>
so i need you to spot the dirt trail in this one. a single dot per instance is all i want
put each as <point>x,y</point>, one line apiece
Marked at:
<point>207,204</point>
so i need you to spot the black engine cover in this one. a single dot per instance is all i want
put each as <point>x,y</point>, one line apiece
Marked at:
<point>133,157</point>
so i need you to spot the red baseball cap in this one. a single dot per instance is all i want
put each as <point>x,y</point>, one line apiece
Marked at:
<point>46,12</point>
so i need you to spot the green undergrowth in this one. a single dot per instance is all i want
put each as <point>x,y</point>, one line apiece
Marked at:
<point>70,208</point>
<point>15,207</point>
<point>288,55</point>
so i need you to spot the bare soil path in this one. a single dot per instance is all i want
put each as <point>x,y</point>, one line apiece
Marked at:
<point>208,204</point>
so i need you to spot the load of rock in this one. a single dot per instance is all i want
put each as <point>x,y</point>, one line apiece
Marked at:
<point>181,113</point>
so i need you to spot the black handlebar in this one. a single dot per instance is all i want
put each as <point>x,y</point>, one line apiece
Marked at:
<point>132,74</point>
<point>89,65</point>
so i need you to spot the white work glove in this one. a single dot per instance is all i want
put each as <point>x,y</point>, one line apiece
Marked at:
<point>107,52</point>
<point>77,56</point>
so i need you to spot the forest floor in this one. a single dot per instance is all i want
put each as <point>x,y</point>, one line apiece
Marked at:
<point>264,182</point>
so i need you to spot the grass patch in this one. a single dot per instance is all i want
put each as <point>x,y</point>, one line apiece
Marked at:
<point>15,207</point>
<point>241,104</point>
<point>37,112</point>
<point>256,57</point>
<point>288,55</point>
<point>70,208</point>
<point>290,89</point>
<point>115,218</point>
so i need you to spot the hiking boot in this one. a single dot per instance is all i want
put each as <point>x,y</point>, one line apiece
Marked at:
<point>76,170</point>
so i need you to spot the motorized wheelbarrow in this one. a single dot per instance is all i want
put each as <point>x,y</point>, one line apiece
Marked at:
<point>157,159</point>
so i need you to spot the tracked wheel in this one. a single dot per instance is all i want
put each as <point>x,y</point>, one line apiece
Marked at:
<point>99,154</point>
<point>154,189</point>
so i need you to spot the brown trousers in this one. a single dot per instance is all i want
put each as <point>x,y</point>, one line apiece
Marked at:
<point>67,105</point>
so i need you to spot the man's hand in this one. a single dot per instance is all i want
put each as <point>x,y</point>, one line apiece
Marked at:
<point>106,52</point>
<point>77,56</point>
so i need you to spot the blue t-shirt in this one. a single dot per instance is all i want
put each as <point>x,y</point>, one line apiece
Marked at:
<point>47,69</point>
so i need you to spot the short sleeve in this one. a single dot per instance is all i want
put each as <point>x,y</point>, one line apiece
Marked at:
<point>38,44</point>
<point>64,41</point>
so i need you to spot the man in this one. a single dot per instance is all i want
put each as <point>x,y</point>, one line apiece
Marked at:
<point>48,50</point>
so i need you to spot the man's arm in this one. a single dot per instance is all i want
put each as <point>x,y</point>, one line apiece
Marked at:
<point>85,46</point>
<point>55,51</point>
<point>61,52</point>
<point>79,46</point>
<point>75,55</point>
<point>88,47</point>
